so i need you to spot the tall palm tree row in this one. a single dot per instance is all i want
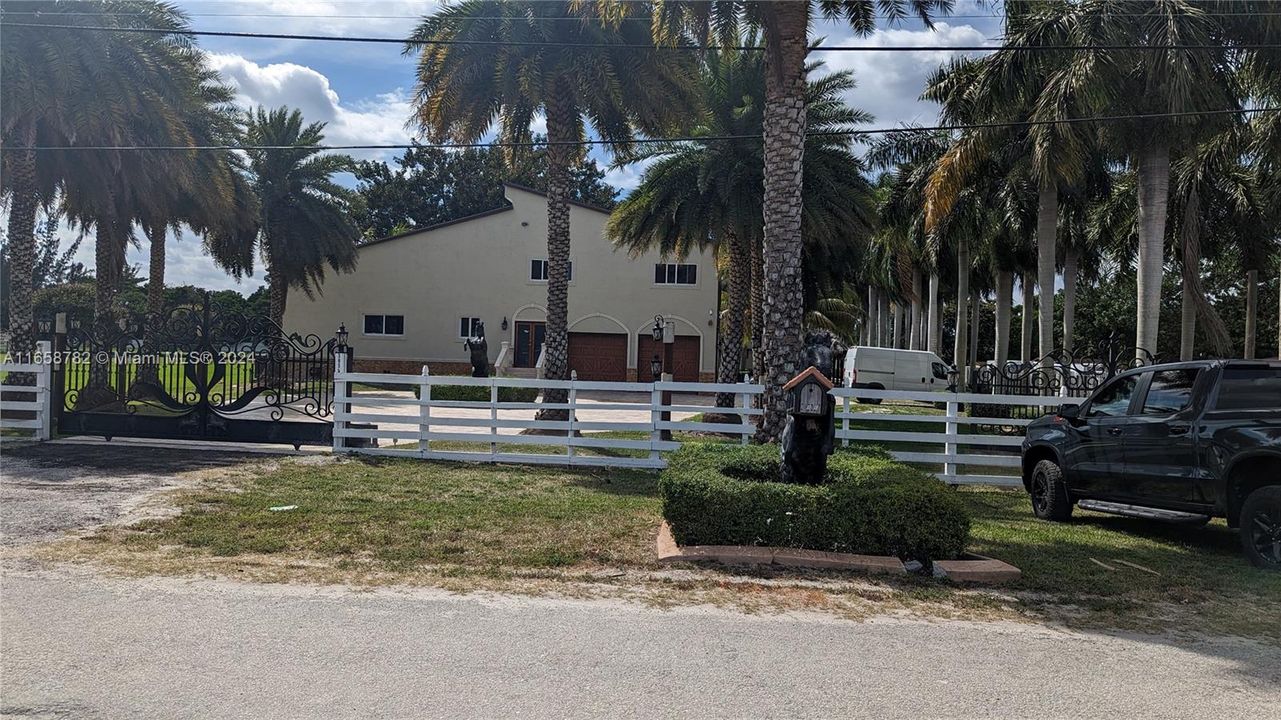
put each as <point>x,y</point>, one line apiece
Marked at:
<point>556,68</point>
<point>784,27</point>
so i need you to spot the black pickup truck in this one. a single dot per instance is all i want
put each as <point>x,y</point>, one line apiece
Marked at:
<point>1183,442</point>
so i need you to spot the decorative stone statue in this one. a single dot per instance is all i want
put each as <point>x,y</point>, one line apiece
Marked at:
<point>810,433</point>
<point>479,349</point>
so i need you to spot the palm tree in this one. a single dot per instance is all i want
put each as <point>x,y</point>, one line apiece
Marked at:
<point>784,26</point>
<point>708,193</point>
<point>304,216</point>
<point>568,77</point>
<point>90,88</point>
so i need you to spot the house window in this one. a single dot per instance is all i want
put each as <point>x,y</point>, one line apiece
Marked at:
<point>538,270</point>
<point>468,326</point>
<point>675,274</point>
<point>384,324</point>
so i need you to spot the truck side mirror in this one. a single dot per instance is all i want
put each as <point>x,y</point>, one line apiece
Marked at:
<point>1069,412</point>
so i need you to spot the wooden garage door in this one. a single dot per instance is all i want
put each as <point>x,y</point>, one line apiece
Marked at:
<point>685,355</point>
<point>598,356</point>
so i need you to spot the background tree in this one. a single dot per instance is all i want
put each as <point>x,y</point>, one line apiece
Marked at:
<point>462,89</point>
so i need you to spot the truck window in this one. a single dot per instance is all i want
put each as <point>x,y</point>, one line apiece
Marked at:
<point>1250,388</point>
<point>1169,392</point>
<point>1114,398</point>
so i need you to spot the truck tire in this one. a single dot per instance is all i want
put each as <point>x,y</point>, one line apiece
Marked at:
<point>871,401</point>
<point>1050,499</point>
<point>1261,528</point>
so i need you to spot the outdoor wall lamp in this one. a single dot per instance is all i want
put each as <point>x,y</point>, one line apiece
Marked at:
<point>44,325</point>
<point>658,328</point>
<point>504,323</point>
<point>342,335</point>
<point>656,367</point>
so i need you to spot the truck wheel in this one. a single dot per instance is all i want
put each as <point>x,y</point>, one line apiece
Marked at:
<point>1261,527</point>
<point>1050,500</point>
<point>871,401</point>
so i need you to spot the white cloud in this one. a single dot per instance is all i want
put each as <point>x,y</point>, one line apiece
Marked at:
<point>375,121</point>
<point>890,83</point>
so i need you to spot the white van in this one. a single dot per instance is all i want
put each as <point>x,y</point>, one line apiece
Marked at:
<point>881,368</point>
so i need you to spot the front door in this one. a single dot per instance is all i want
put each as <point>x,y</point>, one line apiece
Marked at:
<point>1097,458</point>
<point>1160,444</point>
<point>529,342</point>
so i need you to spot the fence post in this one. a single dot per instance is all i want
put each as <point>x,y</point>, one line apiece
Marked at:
<point>43,396</point>
<point>655,417</point>
<point>950,448</point>
<point>573,397</point>
<point>493,417</point>
<point>58,384</point>
<point>744,435</point>
<point>341,389</point>
<point>845,441</point>
<point>424,413</point>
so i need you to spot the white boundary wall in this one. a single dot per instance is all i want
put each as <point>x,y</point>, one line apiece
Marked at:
<point>966,457</point>
<point>41,425</point>
<point>419,435</point>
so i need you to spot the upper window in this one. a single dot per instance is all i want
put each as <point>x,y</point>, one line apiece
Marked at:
<point>384,324</point>
<point>676,274</point>
<point>1169,392</point>
<point>538,270</point>
<point>1113,398</point>
<point>1250,387</point>
<point>468,326</point>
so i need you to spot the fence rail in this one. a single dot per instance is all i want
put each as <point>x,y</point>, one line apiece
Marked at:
<point>27,408</point>
<point>588,431</point>
<point>981,447</point>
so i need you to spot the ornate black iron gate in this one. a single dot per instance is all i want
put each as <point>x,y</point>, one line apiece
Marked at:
<point>198,372</point>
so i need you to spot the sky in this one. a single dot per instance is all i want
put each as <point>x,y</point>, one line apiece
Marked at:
<point>362,90</point>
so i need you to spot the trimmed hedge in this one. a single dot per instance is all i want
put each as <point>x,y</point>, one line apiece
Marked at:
<point>477,393</point>
<point>869,504</point>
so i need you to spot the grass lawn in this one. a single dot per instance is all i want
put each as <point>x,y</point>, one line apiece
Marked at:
<point>479,526</point>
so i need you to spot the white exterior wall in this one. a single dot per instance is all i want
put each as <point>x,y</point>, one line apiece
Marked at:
<point>479,267</point>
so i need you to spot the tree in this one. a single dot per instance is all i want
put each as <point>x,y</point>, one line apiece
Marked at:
<point>304,216</point>
<point>708,194</point>
<point>431,186</point>
<point>585,65</point>
<point>784,27</point>
<point>52,265</point>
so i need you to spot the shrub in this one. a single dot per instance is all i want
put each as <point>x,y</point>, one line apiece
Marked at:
<point>868,504</point>
<point>477,393</point>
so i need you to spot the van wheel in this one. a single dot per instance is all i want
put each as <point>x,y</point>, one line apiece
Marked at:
<point>1050,500</point>
<point>871,401</point>
<point>1261,527</point>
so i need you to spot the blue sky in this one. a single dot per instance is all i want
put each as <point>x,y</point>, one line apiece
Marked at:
<point>362,90</point>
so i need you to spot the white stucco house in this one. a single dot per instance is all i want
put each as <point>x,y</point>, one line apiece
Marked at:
<point>415,297</point>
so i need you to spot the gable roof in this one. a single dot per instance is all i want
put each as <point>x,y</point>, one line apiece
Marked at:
<point>813,372</point>
<point>476,216</point>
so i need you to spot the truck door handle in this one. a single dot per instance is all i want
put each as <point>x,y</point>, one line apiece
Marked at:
<point>1178,429</point>
<point>1114,431</point>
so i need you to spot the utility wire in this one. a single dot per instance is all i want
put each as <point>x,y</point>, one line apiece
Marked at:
<point>636,46</point>
<point>537,18</point>
<point>646,141</point>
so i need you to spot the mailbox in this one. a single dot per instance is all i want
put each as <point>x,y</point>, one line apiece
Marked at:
<point>807,393</point>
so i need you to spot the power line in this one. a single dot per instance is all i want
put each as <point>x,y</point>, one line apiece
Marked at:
<point>633,46</point>
<point>646,141</point>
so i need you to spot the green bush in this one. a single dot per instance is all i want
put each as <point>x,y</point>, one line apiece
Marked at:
<point>477,393</point>
<point>868,504</point>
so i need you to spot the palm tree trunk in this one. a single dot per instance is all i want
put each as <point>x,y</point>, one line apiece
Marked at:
<point>960,352</point>
<point>106,275</point>
<point>1047,223</point>
<point>758,311</point>
<point>1071,262</point>
<point>22,254</point>
<point>1251,312</point>
<point>914,338</point>
<point>739,296</point>
<point>277,296</point>
<point>874,298</point>
<point>156,271</point>
<point>1187,322</point>
<point>560,129</point>
<point>784,140</point>
<point>865,330</point>
<point>896,328</point>
<point>887,321</point>
<point>1004,300</point>
<point>974,327</point>
<point>1154,197</point>
<point>934,331</point>
<point>1026,341</point>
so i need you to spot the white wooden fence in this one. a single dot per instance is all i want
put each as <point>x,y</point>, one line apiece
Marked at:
<point>37,403</point>
<point>961,448</point>
<point>604,430</point>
